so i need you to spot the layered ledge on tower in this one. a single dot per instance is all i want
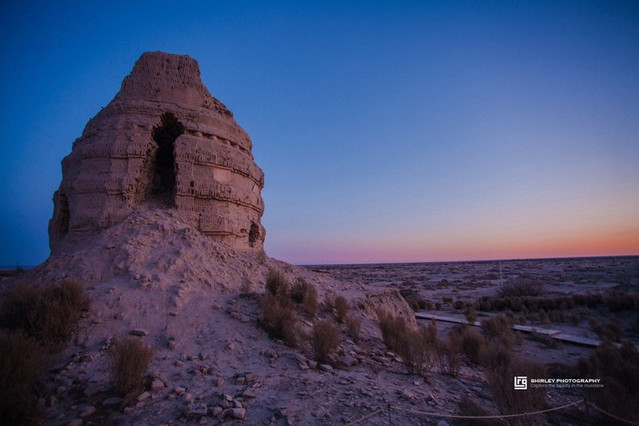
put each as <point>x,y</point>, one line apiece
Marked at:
<point>163,142</point>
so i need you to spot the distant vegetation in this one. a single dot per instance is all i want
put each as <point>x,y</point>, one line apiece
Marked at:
<point>518,287</point>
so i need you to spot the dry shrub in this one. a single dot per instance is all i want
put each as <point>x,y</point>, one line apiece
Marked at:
<point>416,347</point>
<point>305,294</point>
<point>494,357</point>
<point>393,328</point>
<point>48,313</point>
<point>618,369</point>
<point>468,341</point>
<point>417,354</point>
<point>471,314</point>
<point>325,339</point>
<point>499,327</point>
<point>277,283</point>
<point>448,355</point>
<point>22,361</point>
<point>512,401</point>
<point>341,308</point>
<point>353,326</point>
<point>129,360</point>
<point>519,287</point>
<point>279,319</point>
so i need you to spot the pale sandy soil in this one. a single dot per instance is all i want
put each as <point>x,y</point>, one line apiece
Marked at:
<point>197,305</point>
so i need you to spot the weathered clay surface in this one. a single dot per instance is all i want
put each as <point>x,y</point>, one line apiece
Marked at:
<point>162,143</point>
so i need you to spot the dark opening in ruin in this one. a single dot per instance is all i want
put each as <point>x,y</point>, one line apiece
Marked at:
<point>254,234</point>
<point>63,214</point>
<point>163,185</point>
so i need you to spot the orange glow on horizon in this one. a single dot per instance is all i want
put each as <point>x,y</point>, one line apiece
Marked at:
<point>387,250</point>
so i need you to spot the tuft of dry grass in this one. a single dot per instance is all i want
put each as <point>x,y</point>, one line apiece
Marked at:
<point>416,347</point>
<point>499,327</point>
<point>448,355</point>
<point>277,283</point>
<point>22,361</point>
<point>618,369</point>
<point>469,342</point>
<point>393,328</point>
<point>341,308</point>
<point>511,401</point>
<point>305,294</point>
<point>353,326</point>
<point>325,338</point>
<point>417,355</point>
<point>279,319</point>
<point>129,359</point>
<point>48,313</point>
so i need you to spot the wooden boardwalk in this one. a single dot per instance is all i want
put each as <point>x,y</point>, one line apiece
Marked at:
<point>555,334</point>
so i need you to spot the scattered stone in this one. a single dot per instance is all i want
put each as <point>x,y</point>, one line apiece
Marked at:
<point>144,395</point>
<point>139,332</point>
<point>179,390</point>
<point>87,411</point>
<point>157,385</point>
<point>407,395</point>
<point>196,410</point>
<point>238,413</point>
<point>88,357</point>
<point>326,368</point>
<point>312,364</point>
<point>217,410</point>
<point>220,383</point>
<point>114,400</point>
<point>348,361</point>
<point>249,393</point>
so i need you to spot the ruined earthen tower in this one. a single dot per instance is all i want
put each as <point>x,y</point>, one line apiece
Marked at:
<point>162,143</point>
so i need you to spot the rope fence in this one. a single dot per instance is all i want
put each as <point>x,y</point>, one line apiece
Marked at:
<point>492,417</point>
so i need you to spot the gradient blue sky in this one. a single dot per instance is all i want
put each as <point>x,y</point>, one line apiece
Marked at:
<point>387,131</point>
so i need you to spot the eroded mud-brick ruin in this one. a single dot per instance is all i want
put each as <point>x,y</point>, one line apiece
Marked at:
<point>162,143</point>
